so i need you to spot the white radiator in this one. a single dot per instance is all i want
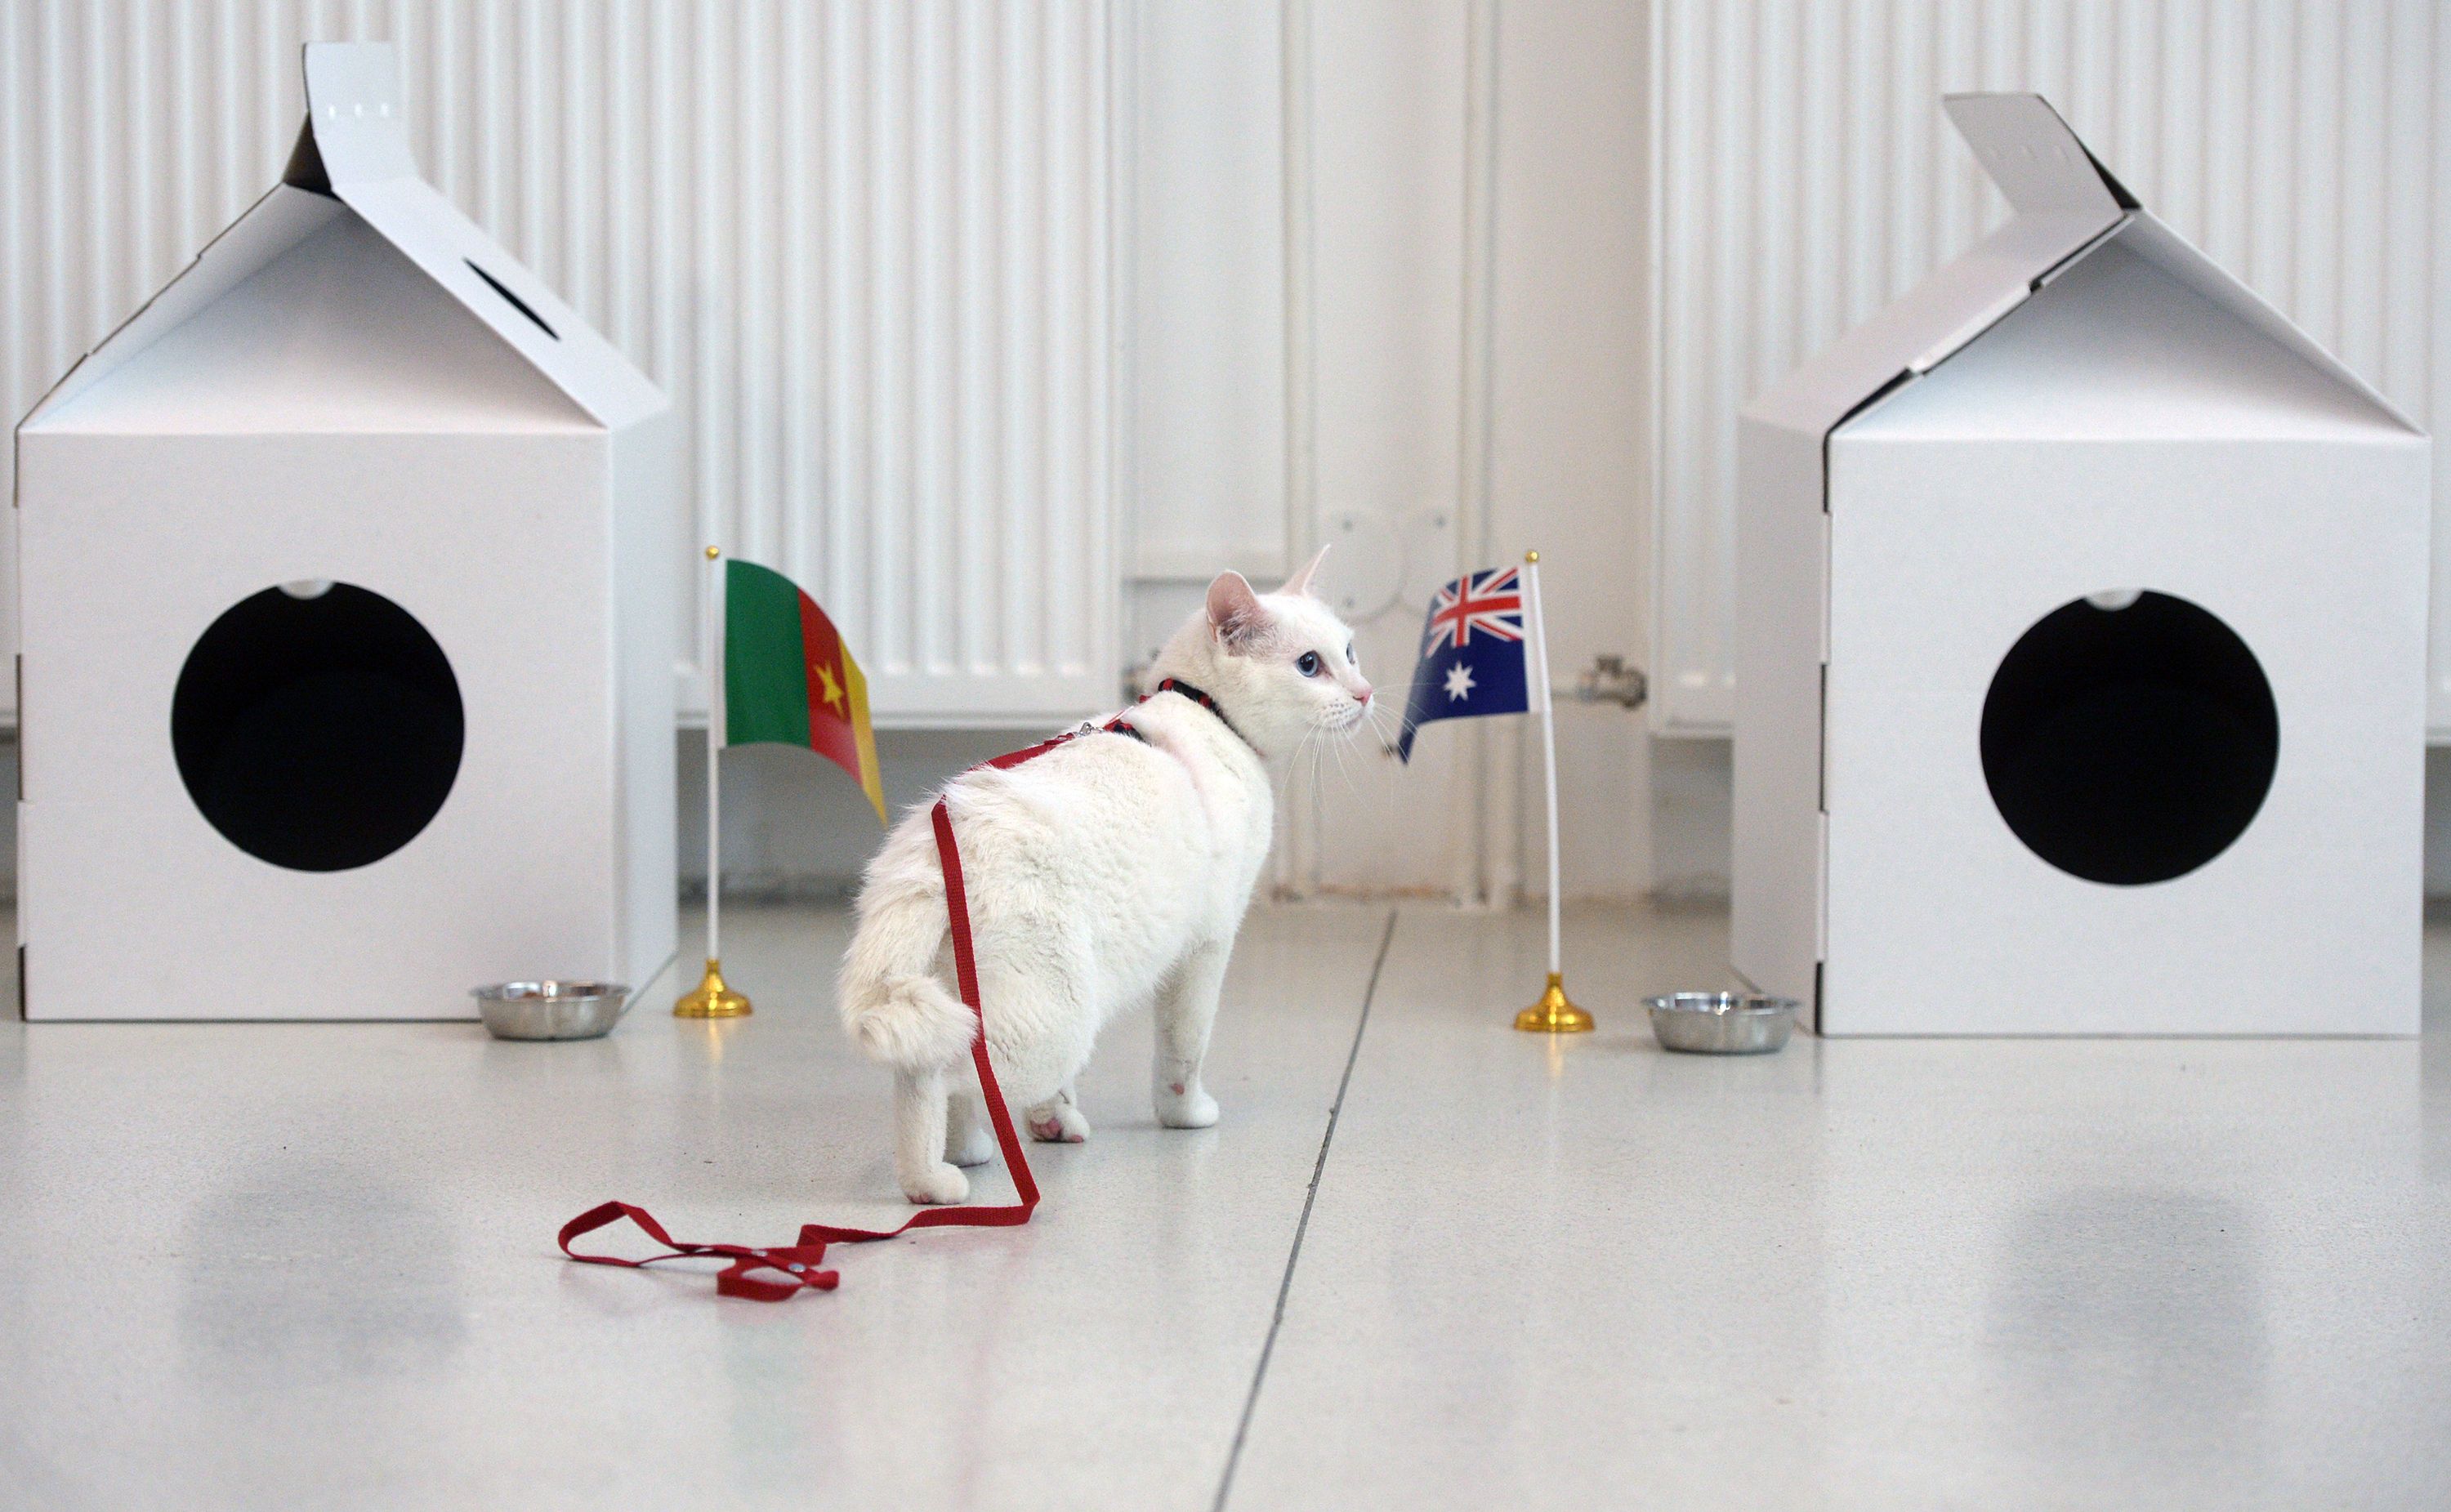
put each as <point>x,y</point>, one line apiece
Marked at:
<point>866,245</point>
<point>1804,177</point>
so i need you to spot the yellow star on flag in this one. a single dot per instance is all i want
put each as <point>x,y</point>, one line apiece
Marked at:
<point>832,694</point>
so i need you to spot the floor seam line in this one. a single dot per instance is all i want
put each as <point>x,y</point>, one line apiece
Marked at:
<point>1293,1256</point>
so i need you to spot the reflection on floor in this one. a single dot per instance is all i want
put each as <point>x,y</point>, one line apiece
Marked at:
<point>257,1265</point>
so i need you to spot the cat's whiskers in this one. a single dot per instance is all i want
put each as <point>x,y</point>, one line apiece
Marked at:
<point>1342,770</point>
<point>1337,720</point>
<point>1294,765</point>
<point>1372,716</point>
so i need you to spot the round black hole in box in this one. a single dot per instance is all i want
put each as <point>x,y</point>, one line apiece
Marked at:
<point>318,726</point>
<point>2130,744</point>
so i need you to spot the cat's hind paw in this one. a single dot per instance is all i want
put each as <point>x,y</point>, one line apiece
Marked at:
<point>1178,1108</point>
<point>973,1146</point>
<point>1058,1123</point>
<point>940,1182</point>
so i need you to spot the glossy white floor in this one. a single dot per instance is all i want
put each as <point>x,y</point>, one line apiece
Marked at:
<point>274,1266</point>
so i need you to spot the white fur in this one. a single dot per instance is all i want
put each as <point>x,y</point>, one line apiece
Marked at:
<point>1104,876</point>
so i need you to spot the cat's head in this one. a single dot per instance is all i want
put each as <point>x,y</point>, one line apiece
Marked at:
<point>1280,664</point>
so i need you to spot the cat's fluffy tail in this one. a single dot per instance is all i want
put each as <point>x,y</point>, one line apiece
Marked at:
<point>893,1006</point>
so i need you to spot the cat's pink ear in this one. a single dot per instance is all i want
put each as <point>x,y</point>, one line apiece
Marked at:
<point>1300,582</point>
<point>1234,609</point>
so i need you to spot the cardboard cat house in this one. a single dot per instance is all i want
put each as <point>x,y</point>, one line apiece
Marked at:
<point>350,568</point>
<point>2080,684</point>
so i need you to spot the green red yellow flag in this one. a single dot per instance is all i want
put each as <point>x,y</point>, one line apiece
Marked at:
<point>788,679</point>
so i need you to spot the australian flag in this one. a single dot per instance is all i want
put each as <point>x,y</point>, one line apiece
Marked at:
<point>1471,654</point>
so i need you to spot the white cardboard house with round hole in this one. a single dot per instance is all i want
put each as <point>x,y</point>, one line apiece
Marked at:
<point>2081,649</point>
<point>349,572</point>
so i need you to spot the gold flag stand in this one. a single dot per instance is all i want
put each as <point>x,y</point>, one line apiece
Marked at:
<point>714,997</point>
<point>1554,1013</point>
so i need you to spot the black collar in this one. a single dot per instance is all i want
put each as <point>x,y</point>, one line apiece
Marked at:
<point>1177,685</point>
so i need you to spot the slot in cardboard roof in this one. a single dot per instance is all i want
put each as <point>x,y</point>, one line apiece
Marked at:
<point>353,163</point>
<point>2066,208</point>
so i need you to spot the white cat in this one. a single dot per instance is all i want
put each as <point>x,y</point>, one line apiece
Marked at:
<point>1108,874</point>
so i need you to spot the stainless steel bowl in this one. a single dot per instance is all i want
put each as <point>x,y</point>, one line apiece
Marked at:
<point>1722,1023</point>
<point>551,1010</point>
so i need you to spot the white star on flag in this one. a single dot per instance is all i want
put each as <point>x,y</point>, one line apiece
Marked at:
<point>1459,682</point>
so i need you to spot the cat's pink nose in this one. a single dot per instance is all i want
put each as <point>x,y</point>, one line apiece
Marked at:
<point>1364,694</point>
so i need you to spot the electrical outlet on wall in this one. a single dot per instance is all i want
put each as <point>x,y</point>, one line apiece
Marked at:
<point>1429,537</point>
<point>1383,562</point>
<point>1367,574</point>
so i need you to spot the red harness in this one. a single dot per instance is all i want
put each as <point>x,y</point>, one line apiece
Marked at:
<point>775,1273</point>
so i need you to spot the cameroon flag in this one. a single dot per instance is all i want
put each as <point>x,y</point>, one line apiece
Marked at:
<point>788,679</point>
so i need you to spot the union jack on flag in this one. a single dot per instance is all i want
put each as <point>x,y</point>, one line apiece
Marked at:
<point>1471,654</point>
<point>1491,601</point>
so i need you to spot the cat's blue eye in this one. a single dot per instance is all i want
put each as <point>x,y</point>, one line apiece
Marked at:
<point>1349,659</point>
<point>1308,664</point>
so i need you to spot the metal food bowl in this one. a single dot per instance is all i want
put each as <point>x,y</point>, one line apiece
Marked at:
<point>1722,1023</point>
<point>551,1010</point>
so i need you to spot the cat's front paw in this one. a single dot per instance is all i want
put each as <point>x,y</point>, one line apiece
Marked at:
<point>1179,1108</point>
<point>939,1183</point>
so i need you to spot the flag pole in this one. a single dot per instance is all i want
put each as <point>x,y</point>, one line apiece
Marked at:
<point>1553,1013</point>
<point>713,997</point>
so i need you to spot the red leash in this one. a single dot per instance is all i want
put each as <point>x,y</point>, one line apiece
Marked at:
<point>775,1273</point>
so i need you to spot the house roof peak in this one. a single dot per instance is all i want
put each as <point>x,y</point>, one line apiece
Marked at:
<point>355,150</point>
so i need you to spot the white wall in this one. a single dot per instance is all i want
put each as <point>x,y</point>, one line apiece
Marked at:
<point>1386,335</point>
